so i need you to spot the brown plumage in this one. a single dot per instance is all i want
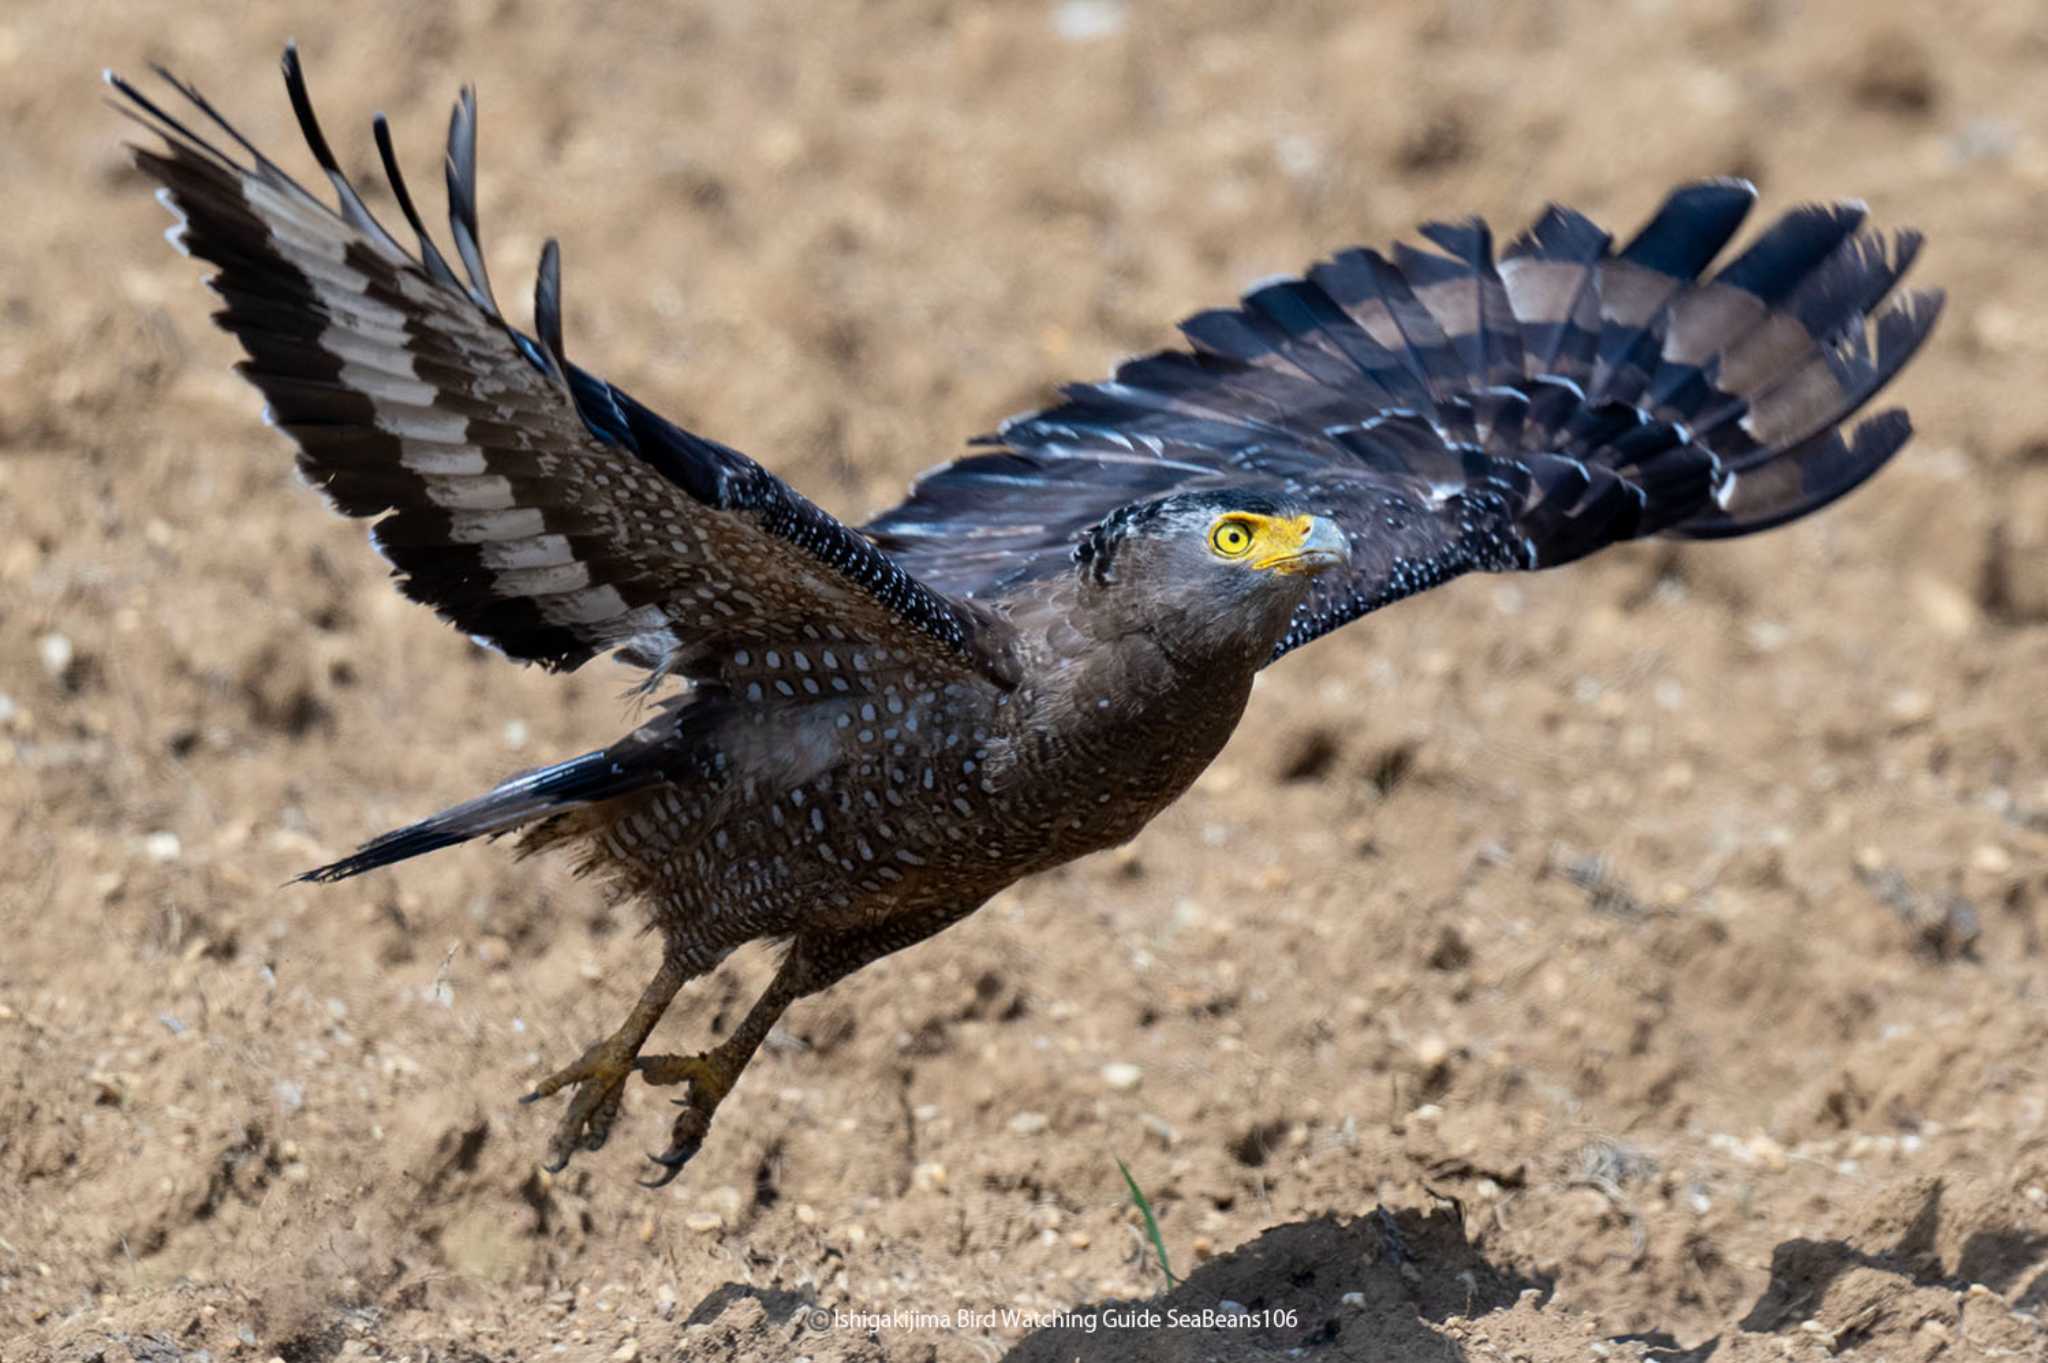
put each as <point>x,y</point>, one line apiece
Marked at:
<point>877,729</point>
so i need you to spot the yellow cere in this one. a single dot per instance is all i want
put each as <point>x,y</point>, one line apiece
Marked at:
<point>1275,539</point>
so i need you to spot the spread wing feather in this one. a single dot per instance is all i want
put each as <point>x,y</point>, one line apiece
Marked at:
<point>535,506</point>
<point>1460,411</point>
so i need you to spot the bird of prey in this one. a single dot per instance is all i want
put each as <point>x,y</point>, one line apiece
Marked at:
<point>876,728</point>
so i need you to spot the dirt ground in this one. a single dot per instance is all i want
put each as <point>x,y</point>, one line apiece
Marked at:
<point>1642,961</point>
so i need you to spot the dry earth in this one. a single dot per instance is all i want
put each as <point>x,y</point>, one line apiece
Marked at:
<point>1639,961</point>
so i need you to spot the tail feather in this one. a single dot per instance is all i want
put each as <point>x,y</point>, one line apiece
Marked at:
<point>542,793</point>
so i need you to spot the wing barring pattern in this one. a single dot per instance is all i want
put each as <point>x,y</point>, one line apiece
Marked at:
<point>1457,410</point>
<point>537,507</point>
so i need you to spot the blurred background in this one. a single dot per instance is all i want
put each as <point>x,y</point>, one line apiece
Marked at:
<point>1679,914</point>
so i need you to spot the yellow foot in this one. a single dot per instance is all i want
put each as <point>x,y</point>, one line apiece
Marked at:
<point>600,1078</point>
<point>710,1077</point>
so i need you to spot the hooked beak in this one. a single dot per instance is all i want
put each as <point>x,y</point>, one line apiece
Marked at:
<point>1321,547</point>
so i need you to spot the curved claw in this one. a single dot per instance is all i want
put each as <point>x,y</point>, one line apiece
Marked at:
<point>678,1154</point>
<point>599,1078</point>
<point>672,1161</point>
<point>680,1151</point>
<point>664,1178</point>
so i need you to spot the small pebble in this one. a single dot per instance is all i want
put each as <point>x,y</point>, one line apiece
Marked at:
<point>1086,21</point>
<point>1122,1076</point>
<point>626,1352</point>
<point>57,655</point>
<point>1767,1152</point>
<point>1029,1123</point>
<point>704,1222</point>
<point>1911,707</point>
<point>163,846</point>
<point>1945,606</point>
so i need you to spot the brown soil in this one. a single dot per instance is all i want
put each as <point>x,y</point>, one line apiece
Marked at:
<point>1639,961</point>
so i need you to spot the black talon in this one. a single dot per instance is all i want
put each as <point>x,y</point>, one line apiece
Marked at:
<point>671,1162</point>
<point>676,1157</point>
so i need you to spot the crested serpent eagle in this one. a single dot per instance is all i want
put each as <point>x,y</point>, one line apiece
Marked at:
<point>876,728</point>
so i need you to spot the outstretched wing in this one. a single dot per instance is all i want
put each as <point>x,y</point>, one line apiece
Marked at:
<point>1455,412</point>
<point>536,507</point>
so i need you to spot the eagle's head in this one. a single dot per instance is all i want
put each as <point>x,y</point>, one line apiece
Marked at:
<point>1214,575</point>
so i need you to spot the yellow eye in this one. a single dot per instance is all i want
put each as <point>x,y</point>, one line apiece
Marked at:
<point>1232,539</point>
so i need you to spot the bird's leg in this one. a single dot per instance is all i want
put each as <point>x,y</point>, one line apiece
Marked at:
<point>600,1073</point>
<point>814,963</point>
<point>712,1073</point>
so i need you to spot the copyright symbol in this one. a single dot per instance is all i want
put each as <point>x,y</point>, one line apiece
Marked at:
<point>818,1320</point>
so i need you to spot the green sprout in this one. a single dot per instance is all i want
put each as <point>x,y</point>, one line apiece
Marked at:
<point>1151,1224</point>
